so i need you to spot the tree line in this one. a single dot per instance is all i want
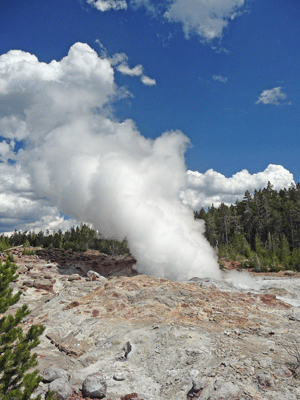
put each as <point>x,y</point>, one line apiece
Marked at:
<point>262,231</point>
<point>78,238</point>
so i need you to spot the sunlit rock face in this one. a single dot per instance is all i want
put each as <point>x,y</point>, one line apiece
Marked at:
<point>159,338</point>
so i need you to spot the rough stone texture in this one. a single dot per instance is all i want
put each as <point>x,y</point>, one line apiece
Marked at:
<point>22,269</point>
<point>265,380</point>
<point>94,386</point>
<point>203,339</point>
<point>52,373</point>
<point>44,284</point>
<point>119,376</point>
<point>61,388</point>
<point>93,276</point>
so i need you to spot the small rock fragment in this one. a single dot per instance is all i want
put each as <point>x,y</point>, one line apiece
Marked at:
<point>22,269</point>
<point>47,276</point>
<point>195,391</point>
<point>283,373</point>
<point>266,380</point>
<point>131,396</point>
<point>91,273</point>
<point>198,385</point>
<point>74,277</point>
<point>119,376</point>
<point>127,349</point>
<point>27,283</point>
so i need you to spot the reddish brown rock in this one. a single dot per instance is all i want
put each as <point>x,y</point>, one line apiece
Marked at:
<point>43,284</point>
<point>95,313</point>
<point>72,305</point>
<point>68,345</point>
<point>131,396</point>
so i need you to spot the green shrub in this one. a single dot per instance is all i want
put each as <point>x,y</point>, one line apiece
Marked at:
<point>27,252</point>
<point>221,264</point>
<point>15,346</point>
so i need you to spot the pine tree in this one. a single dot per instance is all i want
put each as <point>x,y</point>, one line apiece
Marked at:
<point>16,383</point>
<point>284,252</point>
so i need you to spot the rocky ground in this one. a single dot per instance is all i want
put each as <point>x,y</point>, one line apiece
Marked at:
<point>155,339</point>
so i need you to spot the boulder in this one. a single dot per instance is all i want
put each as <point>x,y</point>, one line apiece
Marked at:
<point>43,284</point>
<point>288,272</point>
<point>94,386</point>
<point>52,373</point>
<point>61,388</point>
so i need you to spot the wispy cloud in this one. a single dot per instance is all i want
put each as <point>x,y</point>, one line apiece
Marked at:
<point>148,81</point>
<point>219,78</point>
<point>272,96</point>
<point>136,71</point>
<point>206,19</point>
<point>126,70</point>
<point>106,5</point>
<point>120,62</point>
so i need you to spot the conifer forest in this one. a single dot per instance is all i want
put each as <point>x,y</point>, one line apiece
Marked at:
<point>261,232</point>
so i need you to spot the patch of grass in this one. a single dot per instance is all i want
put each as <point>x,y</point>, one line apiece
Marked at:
<point>27,252</point>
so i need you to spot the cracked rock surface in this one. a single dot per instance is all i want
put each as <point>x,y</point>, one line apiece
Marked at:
<point>154,339</point>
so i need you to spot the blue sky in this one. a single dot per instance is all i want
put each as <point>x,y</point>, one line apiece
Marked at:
<point>228,130</point>
<point>230,83</point>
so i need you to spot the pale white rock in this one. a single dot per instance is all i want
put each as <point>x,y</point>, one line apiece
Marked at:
<point>94,386</point>
<point>62,388</point>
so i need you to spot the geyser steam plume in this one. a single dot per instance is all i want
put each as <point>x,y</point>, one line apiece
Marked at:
<point>102,171</point>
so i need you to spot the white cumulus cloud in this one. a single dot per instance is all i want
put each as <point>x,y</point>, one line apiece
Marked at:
<point>272,96</point>
<point>21,208</point>
<point>79,160</point>
<point>205,18</point>
<point>209,188</point>
<point>7,150</point>
<point>208,19</point>
<point>14,127</point>
<point>106,5</point>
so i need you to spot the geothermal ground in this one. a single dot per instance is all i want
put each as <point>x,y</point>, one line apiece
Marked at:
<point>154,339</point>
